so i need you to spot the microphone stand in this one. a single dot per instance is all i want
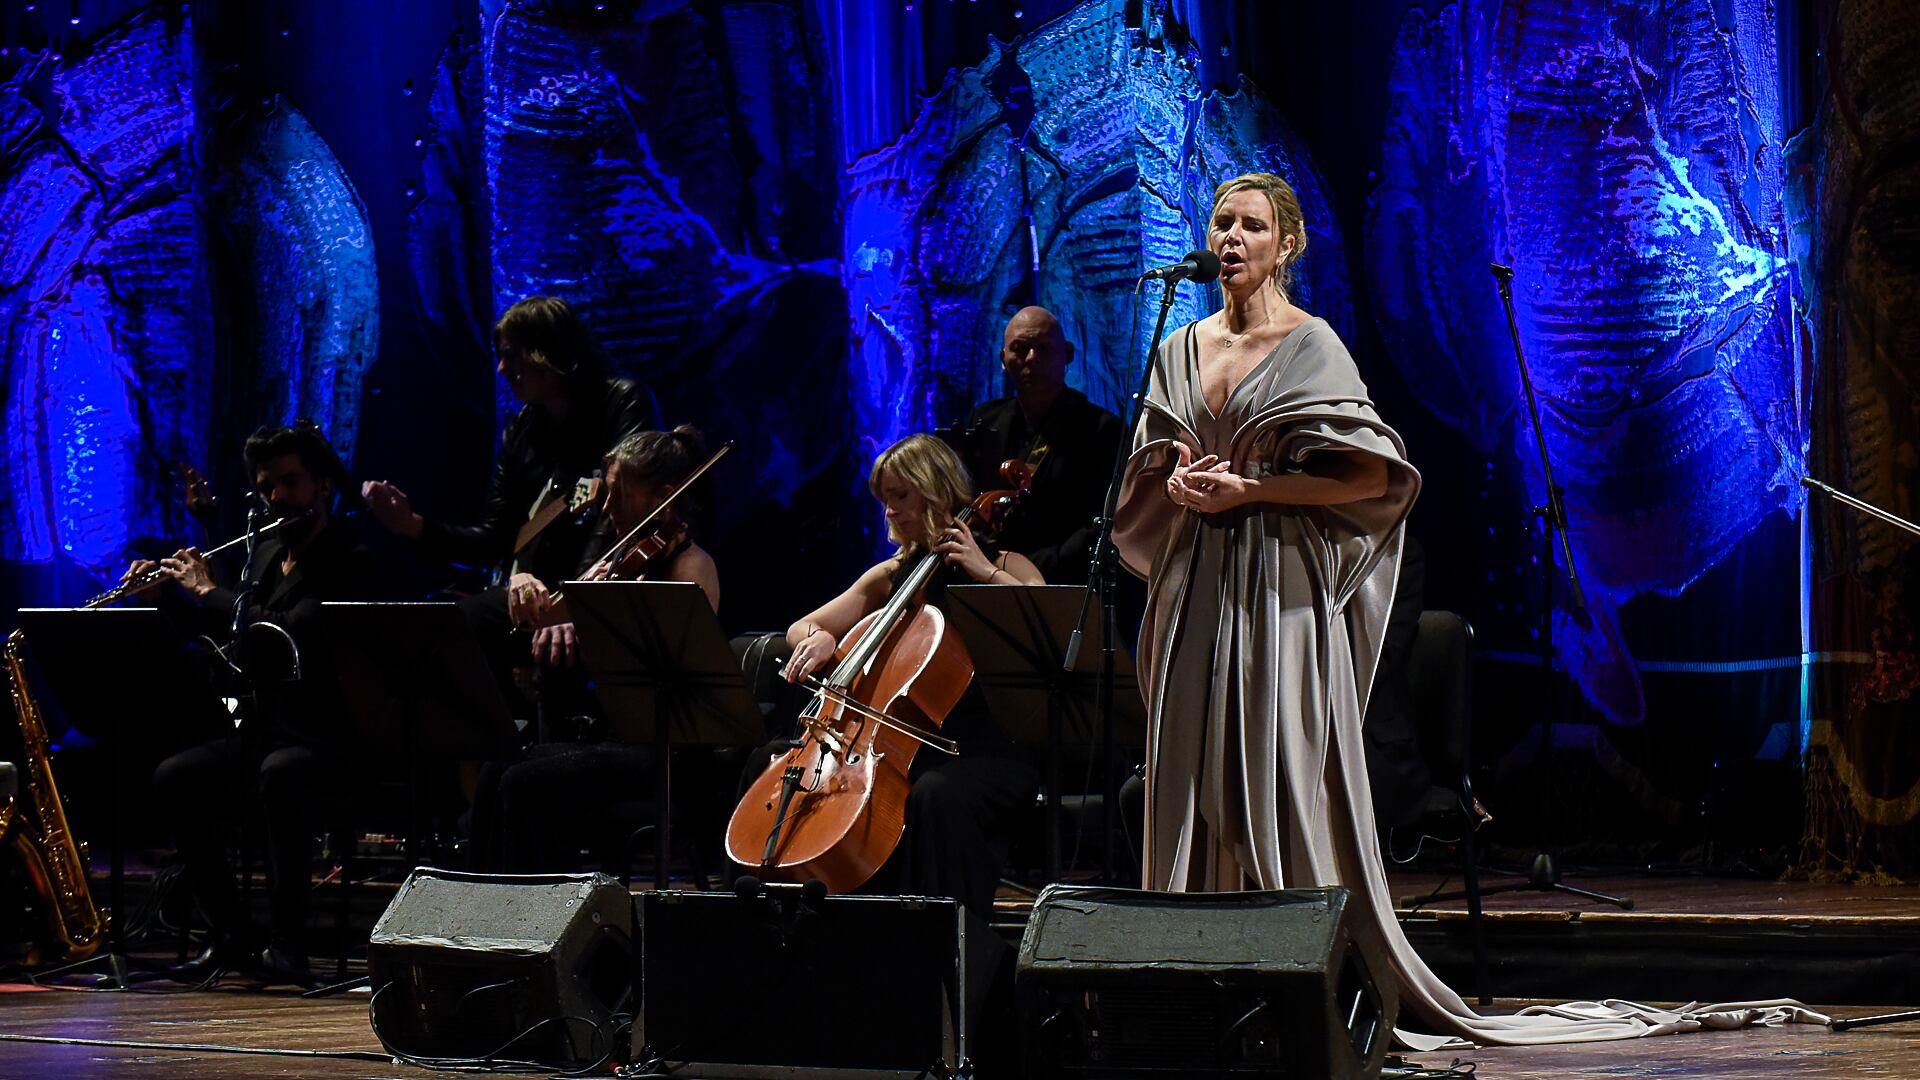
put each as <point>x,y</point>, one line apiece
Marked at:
<point>1100,577</point>
<point>1867,508</point>
<point>1543,875</point>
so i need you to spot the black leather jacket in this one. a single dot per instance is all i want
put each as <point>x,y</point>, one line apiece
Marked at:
<point>534,451</point>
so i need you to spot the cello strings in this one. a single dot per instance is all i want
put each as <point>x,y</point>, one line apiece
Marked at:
<point>834,693</point>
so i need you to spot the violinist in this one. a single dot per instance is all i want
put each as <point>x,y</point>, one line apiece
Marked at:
<point>282,760</point>
<point>961,808</point>
<point>642,473</point>
<point>552,802</point>
<point>1067,441</point>
<point>534,529</point>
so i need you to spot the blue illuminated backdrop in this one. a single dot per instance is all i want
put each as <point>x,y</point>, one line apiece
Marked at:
<point>803,223</point>
<point>104,299</point>
<point>1053,172</point>
<point>1626,161</point>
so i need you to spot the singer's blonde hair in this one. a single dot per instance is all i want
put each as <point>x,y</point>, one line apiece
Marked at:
<point>1287,220</point>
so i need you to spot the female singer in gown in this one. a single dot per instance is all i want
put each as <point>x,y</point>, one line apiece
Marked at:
<point>1264,503</point>
<point>960,808</point>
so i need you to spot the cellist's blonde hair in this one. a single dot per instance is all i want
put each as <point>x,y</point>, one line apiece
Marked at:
<point>934,472</point>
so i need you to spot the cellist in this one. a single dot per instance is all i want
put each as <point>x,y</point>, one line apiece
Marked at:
<point>961,807</point>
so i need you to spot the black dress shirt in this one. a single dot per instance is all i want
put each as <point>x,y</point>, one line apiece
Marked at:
<point>1071,450</point>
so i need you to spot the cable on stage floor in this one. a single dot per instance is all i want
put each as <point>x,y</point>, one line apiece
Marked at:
<point>492,1062</point>
<point>205,1048</point>
<point>1399,1068</point>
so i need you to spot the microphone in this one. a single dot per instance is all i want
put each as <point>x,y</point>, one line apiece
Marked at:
<point>1197,266</point>
<point>1502,274</point>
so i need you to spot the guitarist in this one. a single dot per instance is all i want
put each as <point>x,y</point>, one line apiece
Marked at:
<point>534,529</point>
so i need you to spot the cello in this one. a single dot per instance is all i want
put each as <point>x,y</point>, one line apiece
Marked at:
<point>834,805</point>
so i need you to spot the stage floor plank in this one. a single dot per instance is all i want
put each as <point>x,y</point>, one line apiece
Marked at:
<point>262,1019</point>
<point>284,1020</point>
<point>1684,895</point>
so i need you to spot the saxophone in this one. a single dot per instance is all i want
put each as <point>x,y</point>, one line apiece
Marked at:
<point>55,868</point>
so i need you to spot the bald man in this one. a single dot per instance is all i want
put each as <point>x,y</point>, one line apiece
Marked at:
<point>1067,440</point>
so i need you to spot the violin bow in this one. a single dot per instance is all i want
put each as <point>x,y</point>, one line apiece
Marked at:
<point>641,528</point>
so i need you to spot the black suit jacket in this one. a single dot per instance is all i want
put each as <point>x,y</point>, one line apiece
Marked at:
<point>1075,442</point>
<point>335,566</point>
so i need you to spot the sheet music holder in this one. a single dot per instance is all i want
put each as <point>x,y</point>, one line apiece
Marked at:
<point>1018,636</point>
<point>149,659</point>
<point>664,674</point>
<point>150,662</point>
<point>417,686</point>
<point>415,681</point>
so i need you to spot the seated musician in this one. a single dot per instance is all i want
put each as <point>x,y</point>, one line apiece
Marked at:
<point>282,759</point>
<point>551,802</point>
<point>1068,442</point>
<point>574,412</point>
<point>961,808</point>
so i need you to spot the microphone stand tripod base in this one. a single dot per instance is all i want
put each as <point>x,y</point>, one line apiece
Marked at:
<point>1544,876</point>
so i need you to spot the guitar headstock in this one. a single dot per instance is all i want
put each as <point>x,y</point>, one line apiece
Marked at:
<point>196,495</point>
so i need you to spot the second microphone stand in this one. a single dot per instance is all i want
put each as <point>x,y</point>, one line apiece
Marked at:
<point>1543,874</point>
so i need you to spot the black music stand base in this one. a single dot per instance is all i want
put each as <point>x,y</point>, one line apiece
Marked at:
<point>1018,637</point>
<point>664,674</point>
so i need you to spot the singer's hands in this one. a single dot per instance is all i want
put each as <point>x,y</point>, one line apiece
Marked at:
<point>391,507</point>
<point>1207,485</point>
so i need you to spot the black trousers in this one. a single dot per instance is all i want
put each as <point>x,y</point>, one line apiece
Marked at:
<point>204,791</point>
<point>563,797</point>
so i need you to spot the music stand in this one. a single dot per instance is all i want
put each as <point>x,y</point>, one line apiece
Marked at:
<point>414,680</point>
<point>150,663</point>
<point>1017,635</point>
<point>665,674</point>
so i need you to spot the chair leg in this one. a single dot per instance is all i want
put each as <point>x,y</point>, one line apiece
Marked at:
<point>1470,876</point>
<point>697,865</point>
<point>343,907</point>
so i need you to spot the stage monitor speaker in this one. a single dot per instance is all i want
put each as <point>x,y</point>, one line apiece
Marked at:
<point>785,981</point>
<point>520,967</point>
<point>1119,983</point>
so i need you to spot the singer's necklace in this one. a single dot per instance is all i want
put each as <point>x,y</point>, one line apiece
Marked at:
<point>1228,341</point>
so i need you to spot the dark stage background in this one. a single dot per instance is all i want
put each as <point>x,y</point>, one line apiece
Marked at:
<point>803,223</point>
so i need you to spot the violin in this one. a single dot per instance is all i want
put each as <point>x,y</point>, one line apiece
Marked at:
<point>655,535</point>
<point>833,807</point>
<point>665,534</point>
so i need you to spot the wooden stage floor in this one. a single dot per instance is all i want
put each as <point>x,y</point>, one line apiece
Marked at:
<point>277,1020</point>
<point>1718,939</point>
